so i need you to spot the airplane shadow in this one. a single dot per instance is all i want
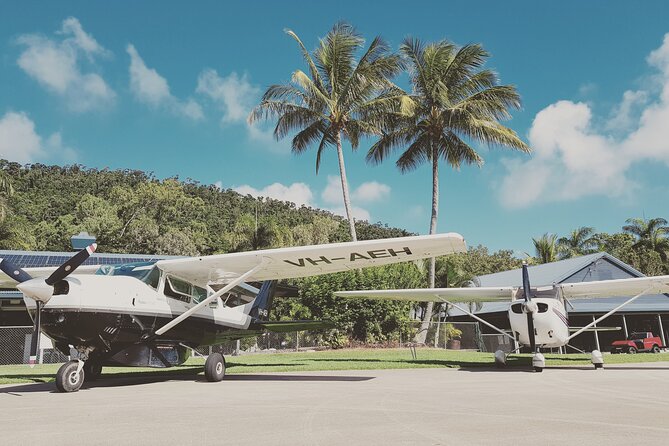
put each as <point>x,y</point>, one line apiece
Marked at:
<point>284,377</point>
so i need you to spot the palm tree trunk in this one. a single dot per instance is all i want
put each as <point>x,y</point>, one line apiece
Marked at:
<point>427,317</point>
<point>344,188</point>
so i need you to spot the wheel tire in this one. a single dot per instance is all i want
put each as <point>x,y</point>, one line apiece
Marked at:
<point>214,367</point>
<point>655,349</point>
<point>598,365</point>
<point>67,378</point>
<point>92,370</point>
<point>631,350</point>
<point>539,369</point>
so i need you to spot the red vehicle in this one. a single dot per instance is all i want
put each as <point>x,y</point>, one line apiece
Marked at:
<point>638,342</point>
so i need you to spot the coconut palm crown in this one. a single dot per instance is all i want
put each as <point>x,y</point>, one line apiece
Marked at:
<point>341,97</point>
<point>650,234</point>
<point>581,241</point>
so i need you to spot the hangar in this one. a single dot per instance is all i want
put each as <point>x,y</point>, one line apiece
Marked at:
<point>648,313</point>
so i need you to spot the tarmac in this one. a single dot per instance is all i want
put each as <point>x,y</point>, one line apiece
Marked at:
<point>619,405</point>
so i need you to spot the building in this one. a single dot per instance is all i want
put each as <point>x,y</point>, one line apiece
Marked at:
<point>647,313</point>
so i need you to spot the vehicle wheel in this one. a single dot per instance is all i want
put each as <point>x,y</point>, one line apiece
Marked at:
<point>655,349</point>
<point>614,352</point>
<point>67,378</point>
<point>92,370</point>
<point>214,367</point>
<point>631,350</point>
<point>598,365</point>
<point>538,369</point>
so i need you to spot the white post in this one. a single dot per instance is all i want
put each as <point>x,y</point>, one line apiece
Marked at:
<point>659,319</point>
<point>594,324</point>
<point>625,327</point>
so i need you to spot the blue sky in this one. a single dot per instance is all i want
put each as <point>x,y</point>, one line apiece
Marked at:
<point>166,86</point>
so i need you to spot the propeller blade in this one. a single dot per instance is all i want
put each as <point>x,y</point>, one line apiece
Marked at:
<point>68,267</point>
<point>530,315</point>
<point>34,341</point>
<point>14,271</point>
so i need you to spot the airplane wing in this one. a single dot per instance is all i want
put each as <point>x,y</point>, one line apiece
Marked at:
<point>616,288</point>
<point>473,294</point>
<point>303,261</point>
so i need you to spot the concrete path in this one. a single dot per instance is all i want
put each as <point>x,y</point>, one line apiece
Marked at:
<point>577,406</point>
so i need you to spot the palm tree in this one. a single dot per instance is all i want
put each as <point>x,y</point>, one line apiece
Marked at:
<point>454,100</point>
<point>546,248</point>
<point>581,241</point>
<point>341,98</point>
<point>650,234</point>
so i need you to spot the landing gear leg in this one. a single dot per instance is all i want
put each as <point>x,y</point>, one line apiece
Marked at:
<point>597,359</point>
<point>214,367</point>
<point>70,376</point>
<point>538,362</point>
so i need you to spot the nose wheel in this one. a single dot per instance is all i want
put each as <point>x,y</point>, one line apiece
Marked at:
<point>70,376</point>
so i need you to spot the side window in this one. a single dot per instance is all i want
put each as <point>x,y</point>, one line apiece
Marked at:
<point>517,308</point>
<point>177,289</point>
<point>153,278</point>
<point>199,294</point>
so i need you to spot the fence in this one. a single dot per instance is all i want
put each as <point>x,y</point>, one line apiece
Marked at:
<point>15,342</point>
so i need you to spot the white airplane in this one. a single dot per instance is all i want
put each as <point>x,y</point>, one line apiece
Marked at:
<point>538,316</point>
<point>151,315</point>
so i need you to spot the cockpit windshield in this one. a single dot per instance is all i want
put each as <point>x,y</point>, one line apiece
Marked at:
<point>147,272</point>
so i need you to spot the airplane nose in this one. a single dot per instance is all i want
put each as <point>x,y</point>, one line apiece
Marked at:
<point>36,289</point>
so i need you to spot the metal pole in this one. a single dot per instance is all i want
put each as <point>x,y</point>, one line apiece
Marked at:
<point>594,323</point>
<point>625,327</point>
<point>659,319</point>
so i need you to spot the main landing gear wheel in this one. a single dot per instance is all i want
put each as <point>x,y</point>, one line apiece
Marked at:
<point>92,370</point>
<point>214,367</point>
<point>539,369</point>
<point>69,378</point>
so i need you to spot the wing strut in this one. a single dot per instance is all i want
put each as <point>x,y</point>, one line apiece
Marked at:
<point>469,313</point>
<point>209,299</point>
<point>596,321</point>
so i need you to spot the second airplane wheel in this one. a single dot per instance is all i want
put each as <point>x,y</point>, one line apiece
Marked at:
<point>214,367</point>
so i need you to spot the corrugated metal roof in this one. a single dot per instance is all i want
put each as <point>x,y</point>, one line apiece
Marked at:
<point>550,273</point>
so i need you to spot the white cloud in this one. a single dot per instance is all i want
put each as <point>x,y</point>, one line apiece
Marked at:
<point>151,88</point>
<point>298,193</point>
<point>19,142</point>
<point>331,195</point>
<point>56,65</point>
<point>574,158</point>
<point>236,96</point>
<point>371,191</point>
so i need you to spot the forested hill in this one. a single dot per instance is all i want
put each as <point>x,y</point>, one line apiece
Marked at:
<point>132,211</point>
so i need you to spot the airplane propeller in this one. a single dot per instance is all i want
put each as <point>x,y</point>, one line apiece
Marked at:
<point>41,290</point>
<point>529,307</point>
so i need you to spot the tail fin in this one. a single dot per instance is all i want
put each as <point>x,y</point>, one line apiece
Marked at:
<point>263,301</point>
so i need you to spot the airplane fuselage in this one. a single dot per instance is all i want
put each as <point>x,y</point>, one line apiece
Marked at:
<point>114,316</point>
<point>550,323</point>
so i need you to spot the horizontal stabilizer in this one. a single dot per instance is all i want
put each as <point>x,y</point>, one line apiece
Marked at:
<point>289,326</point>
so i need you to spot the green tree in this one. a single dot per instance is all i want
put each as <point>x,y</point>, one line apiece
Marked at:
<point>580,242</point>
<point>339,99</point>
<point>545,248</point>
<point>454,100</point>
<point>650,234</point>
<point>6,191</point>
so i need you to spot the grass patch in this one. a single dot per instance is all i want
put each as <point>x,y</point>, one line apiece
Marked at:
<point>353,359</point>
